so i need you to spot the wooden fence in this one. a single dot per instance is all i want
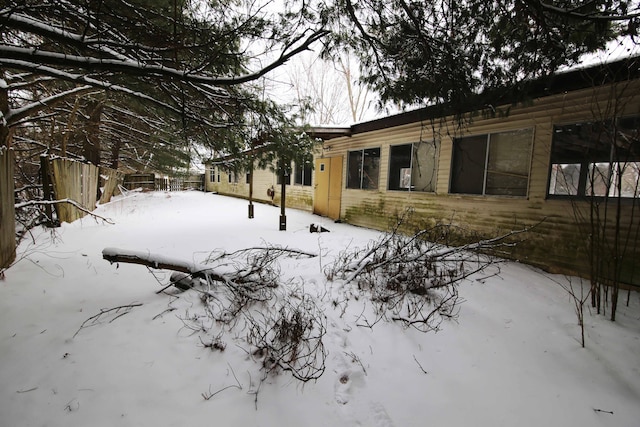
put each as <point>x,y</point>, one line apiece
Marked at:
<point>7,210</point>
<point>74,181</point>
<point>111,180</point>
<point>148,181</point>
<point>193,182</point>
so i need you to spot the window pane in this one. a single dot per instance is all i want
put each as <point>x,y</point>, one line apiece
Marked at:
<point>371,169</point>
<point>508,164</point>
<point>564,179</point>
<point>425,166</point>
<point>400,167</point>
<point>307,173</point>
<point>354,169</point>
<point>298,174</point>
<point>628,140</point>
<point>630,179</point>
<point>599,180</point>
<point>467,171</point>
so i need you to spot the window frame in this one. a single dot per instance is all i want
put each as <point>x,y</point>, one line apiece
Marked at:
<point>361,169</point>
<point>303,174</point>
<point>486,171</point>
<point>583,164</point>
<point>411,187</point>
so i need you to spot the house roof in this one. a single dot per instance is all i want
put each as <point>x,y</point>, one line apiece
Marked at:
<point>625,69</point>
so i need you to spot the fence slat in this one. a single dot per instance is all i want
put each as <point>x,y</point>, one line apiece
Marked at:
<point>111,180</point>
<point>76,181</point>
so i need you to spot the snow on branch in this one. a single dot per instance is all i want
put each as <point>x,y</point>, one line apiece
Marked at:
<point>14,116</point>
<point>143,68</point>
<point>90,81</point>
<point>284,326</point>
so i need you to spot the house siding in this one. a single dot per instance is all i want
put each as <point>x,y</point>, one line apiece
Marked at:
<point>555,242</point>
<point>297,196</point>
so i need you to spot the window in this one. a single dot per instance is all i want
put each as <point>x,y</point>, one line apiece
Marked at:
<point>600,158</point>
<point>248,178</point>
<point>303,174</point>
<point>233,177</point>
<point>363,169</point>
<point>212,174</point>
<point>493,164</point>
<point>413,167</point>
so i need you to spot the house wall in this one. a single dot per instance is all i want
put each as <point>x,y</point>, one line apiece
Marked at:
<point>555,242</point>
<point>297,196</point>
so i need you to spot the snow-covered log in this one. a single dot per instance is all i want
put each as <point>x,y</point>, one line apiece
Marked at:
<point>156,261</point>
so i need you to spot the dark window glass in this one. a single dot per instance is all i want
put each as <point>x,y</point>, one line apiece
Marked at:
<point>303,174</point>
<point>494,164</point>
<point>363,169</point>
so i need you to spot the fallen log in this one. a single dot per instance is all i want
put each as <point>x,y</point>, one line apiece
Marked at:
<point>256,270</point>
<point>160,262</point>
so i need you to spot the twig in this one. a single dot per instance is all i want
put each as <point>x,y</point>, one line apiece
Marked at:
<point>27,391</point>
<point>295,252</point>
<point>95,317</point>
<point>419,365</point>
<point>207,396</point>
<point>603,411</point>
<point>69,201</point>
<point>355,358</point>
<point>165,311</point>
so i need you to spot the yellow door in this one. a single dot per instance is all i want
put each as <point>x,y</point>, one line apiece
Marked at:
<point>328,187</point>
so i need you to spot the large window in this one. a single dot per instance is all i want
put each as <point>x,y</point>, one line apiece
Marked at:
<point>413,167</point>
<point>363,169</point>
<point>600,158</point>
<point>303,173</point>
<point>493,164</point>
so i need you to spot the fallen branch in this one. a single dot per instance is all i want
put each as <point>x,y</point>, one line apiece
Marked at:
<point>117,310</point>
<point>158,261</point>
<point>54,202</point>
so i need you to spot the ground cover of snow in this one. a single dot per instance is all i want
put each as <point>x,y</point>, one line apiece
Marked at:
<point>513,357</point>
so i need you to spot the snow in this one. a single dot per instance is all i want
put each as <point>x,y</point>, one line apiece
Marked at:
<point>513,357</point>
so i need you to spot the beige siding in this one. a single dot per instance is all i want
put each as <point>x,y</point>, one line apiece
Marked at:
<point>554,243</point>
<point>297,196</point>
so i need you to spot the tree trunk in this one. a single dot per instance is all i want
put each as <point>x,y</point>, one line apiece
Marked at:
<point>5,131</point>
<point>116,144</point>
<point>91,141</point>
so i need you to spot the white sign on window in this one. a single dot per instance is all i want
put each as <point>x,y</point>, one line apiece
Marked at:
<point>405,177</point>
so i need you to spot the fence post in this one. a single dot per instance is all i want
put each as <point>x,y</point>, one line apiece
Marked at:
<point>7,209</point>
<point>45,172</point>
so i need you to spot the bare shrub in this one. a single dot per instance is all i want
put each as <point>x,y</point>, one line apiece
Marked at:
<point>289,337</point>
<point>413,278</point>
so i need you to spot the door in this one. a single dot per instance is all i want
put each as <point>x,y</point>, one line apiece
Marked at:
<point>328,187</point>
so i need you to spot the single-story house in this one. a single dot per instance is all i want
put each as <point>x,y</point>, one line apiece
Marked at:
<point>563,159</point>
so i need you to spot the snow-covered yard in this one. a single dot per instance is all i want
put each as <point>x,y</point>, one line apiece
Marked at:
<point>513,358</point>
